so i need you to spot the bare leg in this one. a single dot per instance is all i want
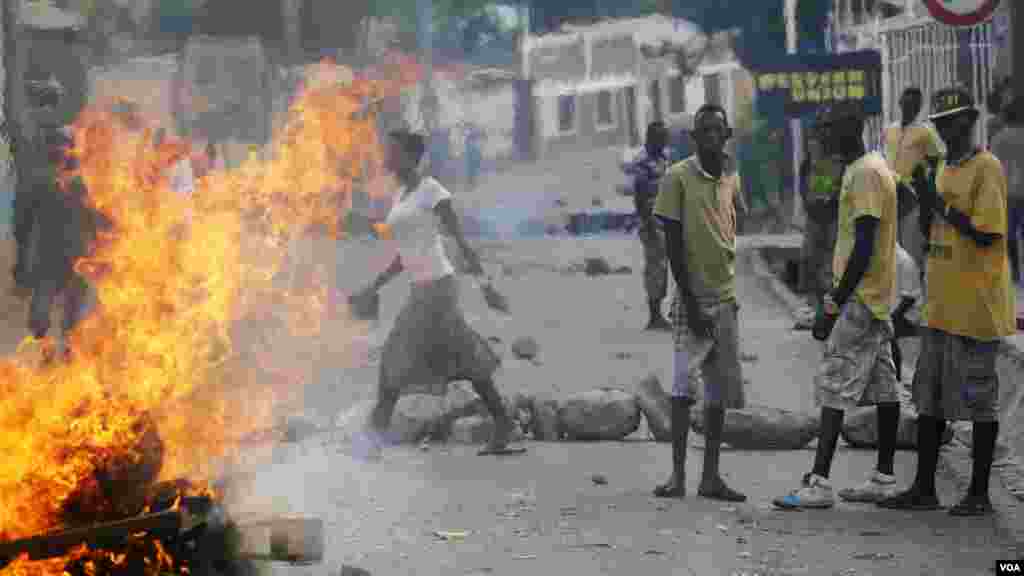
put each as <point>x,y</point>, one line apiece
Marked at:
<point>368,445</point>
<point>74,300</point>
<point>711,485</point>
<point>676,485</point>
<point>496,406</point>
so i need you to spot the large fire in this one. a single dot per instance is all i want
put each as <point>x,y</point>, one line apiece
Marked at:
<point>159,384</point>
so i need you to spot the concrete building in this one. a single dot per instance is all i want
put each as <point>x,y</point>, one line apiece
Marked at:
<point>598,86</point>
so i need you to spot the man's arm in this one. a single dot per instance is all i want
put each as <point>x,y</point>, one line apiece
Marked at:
<point>866,230</point>
<point>453,228</point>
<point>394,269</point>
<point>675,249</point>
<point>962,223</point>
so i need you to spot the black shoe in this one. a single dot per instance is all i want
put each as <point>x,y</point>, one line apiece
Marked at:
<point>972,506</point>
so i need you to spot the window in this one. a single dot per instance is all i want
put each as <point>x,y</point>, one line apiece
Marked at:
<point>567,113</point>
<point>713,89</point>
<point>677,95</point>
<point>605,115</point>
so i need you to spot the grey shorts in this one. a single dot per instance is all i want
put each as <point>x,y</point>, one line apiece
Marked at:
<point>956,377</point>
<point>857,369</point>
<point>431,344</point>
<point>712,363</point>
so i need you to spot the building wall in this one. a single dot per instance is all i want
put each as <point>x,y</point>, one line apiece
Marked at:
<point>585,64</point>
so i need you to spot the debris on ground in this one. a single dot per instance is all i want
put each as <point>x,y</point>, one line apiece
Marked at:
<point>525,348</point>
<point>874,556</point>
<point>596,267</point>
<point>451,535</point>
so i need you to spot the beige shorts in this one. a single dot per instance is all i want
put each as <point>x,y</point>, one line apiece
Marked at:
<point>712,363</point>
<point>858,369</point>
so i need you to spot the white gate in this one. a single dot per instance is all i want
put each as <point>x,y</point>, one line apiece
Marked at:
<point>925,54</point>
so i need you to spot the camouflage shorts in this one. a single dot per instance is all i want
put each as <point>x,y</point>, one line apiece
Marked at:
<point>858,368</point>
<point>708,365</point>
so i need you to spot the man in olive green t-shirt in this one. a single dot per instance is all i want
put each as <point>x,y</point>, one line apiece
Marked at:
<point>697,203</point>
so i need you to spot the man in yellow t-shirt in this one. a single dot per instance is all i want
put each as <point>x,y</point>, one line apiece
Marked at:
<point>697,200</point>
<point>969,304</point>
<point>858,367</point>
<point>909,144</point>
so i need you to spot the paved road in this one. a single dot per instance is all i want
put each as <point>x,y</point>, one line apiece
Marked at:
<point>542,513</point>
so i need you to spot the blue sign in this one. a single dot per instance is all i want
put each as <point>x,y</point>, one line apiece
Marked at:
<point>802,83</point>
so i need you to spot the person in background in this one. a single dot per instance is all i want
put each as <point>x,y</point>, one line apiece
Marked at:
<point>647,169</point>
<point>697,204</point>
<point>908,144</point>
<point>1008,146</point>
<point>857,368</point>
<point>62,223</point>
<point>474,154</point>
<point>430,343</point>
<point>969,305</point>
<point>906,311</point>
<point>821,175</point>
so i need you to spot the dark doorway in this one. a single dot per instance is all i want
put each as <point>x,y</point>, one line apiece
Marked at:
<point>655,93</point>
<point>634,131</point>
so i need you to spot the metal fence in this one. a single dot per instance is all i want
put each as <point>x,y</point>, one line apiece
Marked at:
<point>927,55</point>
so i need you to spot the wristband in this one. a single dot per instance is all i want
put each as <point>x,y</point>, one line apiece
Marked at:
<point>830,306</point>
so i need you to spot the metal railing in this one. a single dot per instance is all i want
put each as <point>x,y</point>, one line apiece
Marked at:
<point>926,54</point>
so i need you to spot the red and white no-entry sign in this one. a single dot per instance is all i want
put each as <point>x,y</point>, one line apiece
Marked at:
<point>962,12</point>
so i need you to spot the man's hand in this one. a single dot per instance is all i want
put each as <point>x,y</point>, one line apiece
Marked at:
<point>826,320</point>
<point>698,322</point>
<point>473,265</point>
<point>924,185</point>
<point>364,304</point>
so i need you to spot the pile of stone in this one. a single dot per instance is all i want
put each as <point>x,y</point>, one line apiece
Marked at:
<point>603,414</point>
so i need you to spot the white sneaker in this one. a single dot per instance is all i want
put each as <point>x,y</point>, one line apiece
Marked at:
<point>816,492</point>
<point>877,487</point>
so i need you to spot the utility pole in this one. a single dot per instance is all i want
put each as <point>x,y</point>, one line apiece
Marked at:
<point>1017,46</point>
<point>794,124</point>
<point>15,61</point>
<point>428,103</point>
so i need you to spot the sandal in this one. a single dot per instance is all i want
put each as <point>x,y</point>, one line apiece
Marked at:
<point>670,489</point>
<point>972,506</point>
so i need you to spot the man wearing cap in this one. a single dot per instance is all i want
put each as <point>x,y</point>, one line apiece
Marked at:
<point>910,143</point>
<point>821,175</point>
<point>858,367</point>
<point>647,170</point>
<point>969,305</point>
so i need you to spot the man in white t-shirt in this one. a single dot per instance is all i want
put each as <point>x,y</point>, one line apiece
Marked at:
<point>906,310</point>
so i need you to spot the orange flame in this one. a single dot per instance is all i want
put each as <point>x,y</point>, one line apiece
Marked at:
<point>173,294</point>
